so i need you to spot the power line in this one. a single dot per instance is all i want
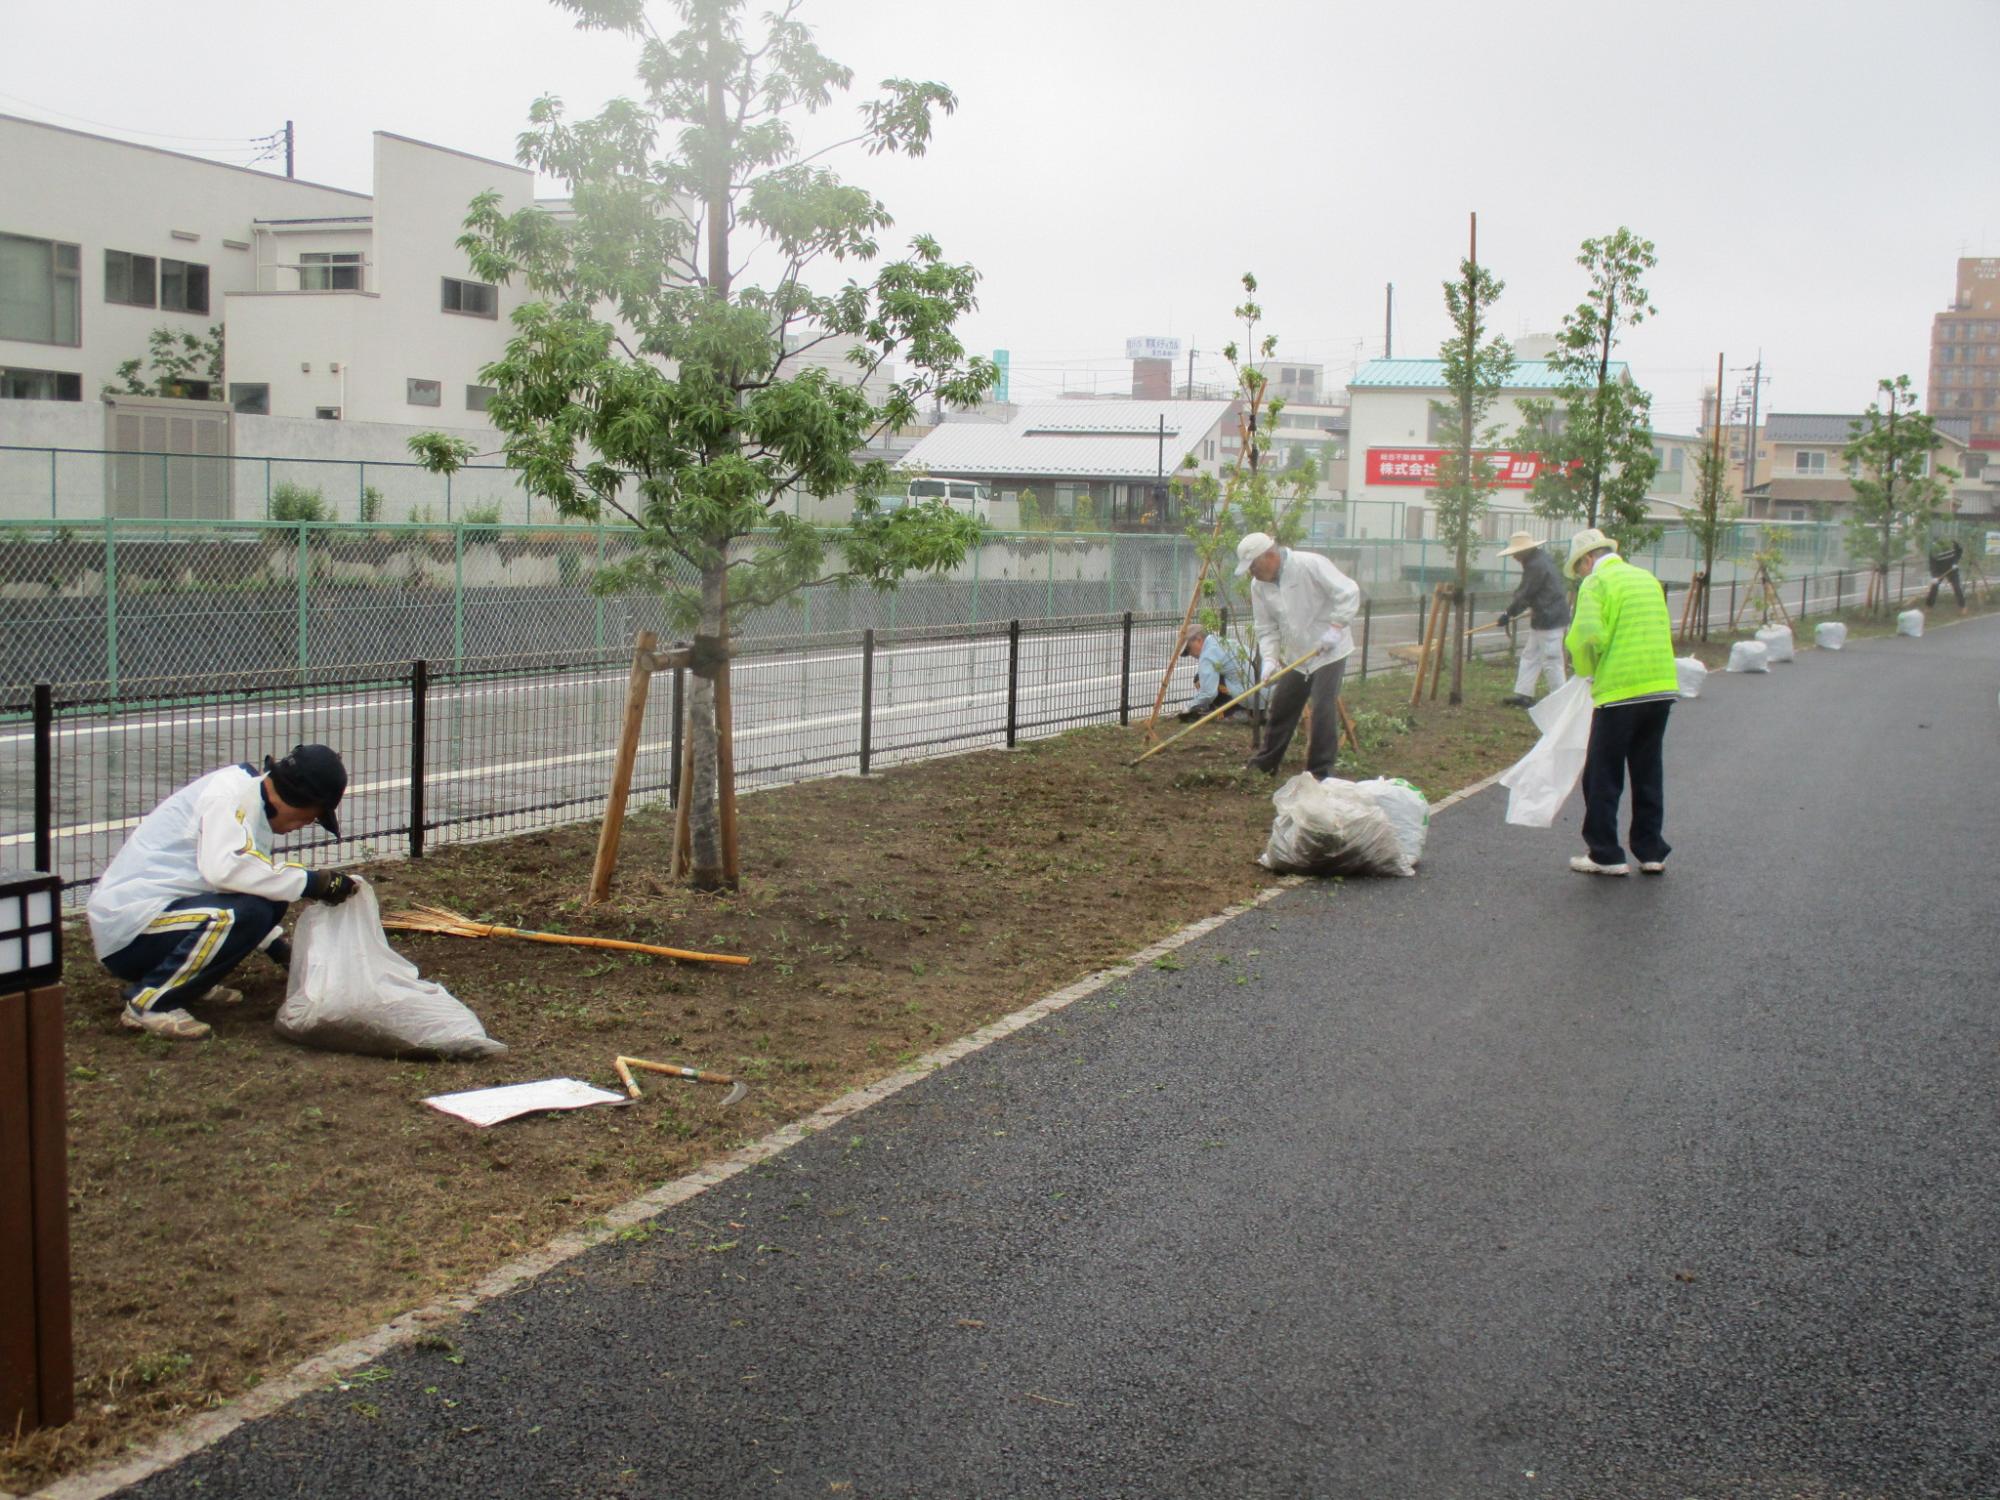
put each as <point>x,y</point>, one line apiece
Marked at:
<point>205,140</point>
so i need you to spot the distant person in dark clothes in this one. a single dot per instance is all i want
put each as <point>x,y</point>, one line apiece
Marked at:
<point>1545,601</point>
<point>1945,556</point>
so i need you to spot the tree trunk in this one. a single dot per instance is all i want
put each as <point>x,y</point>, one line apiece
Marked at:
<point>704,813</point>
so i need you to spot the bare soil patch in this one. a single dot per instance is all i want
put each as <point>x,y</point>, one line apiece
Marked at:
<point>242,1203</point>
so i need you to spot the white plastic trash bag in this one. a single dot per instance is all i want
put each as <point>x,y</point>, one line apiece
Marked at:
<point>1829,635</point>
<point>350,991</point>
<point>1541,781</point>
<point>1408,812</point>
<point>1692,673</point>
<point>1329,827</point>
<point>1749,656</point>
<point>1910,622</point>
<point>1778,642</point>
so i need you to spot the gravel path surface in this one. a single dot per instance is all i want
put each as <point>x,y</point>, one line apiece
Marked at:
<point>1498,1182</point>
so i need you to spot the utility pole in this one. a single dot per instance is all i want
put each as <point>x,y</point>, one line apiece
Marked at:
<point>1389,324</point>
<point>1750,432</point>
<point>288,148</point>
<point>1190,380</point>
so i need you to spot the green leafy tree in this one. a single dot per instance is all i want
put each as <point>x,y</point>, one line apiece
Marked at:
<point>1249,494</point>
<point>650,376</point>
<point>1031,510</point>
<point>1598,448</point>
<point>1714,510</point>
<point>177,360</point>
<point>1898,486</point>
<point>1476,367</point>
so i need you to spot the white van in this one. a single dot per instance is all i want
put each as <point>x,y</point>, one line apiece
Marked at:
<point>975,500</point>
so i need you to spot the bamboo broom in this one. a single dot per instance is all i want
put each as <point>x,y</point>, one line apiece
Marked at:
<point>451,924</point>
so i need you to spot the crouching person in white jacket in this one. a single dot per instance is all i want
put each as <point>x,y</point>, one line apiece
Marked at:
<point>1299,601</point>
<point>195,890</point>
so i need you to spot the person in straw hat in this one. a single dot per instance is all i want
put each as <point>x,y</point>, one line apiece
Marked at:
<point>1545,601</point>
<point>1623,640</point>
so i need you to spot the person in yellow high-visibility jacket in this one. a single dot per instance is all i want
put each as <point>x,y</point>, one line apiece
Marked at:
<point>1622,639</point>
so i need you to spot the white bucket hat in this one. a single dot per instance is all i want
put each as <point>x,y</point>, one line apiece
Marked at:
<point>1252,547</point>
<point>1582,545</point>
<point>1518,543</point>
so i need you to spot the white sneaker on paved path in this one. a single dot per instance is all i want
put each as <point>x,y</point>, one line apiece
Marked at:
<point>1583,864</point>
<point>1652,867</point>
<point>177,1024</point>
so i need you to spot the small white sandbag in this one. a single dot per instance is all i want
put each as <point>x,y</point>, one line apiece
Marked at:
<point>1778,641</point>
<point>1910,622</point>
<point>1329,827</point>
<point>1408,812</point>
<point>1829,635</point>
<point>1692,672</point>
<point>350,991</point>
<point>1749,656</point>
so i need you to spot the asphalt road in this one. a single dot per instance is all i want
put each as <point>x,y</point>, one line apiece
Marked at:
<point>1501,1181</point>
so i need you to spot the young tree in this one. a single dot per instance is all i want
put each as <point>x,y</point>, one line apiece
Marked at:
<point>1897,485</point>
<point>649,377</point>
<point>1475,369</point>
<point>1712,513</point>
<point>1598,452</point>
<point>178,359</point>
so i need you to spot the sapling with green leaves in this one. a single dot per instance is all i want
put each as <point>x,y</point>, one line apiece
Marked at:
<point>1898,485</point>
<point>649,376</point>
<point>1477,364</point>
<point>178,361</point>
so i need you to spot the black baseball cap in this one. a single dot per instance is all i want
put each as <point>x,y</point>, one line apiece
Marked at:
<point>311,776</point>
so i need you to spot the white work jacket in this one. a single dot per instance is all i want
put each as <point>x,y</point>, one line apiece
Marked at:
<point>1294,614</point>
<point>209,836</point>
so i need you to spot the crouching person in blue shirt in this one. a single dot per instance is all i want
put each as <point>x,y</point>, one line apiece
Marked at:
<point>195,889</point>
<point>1221,674</point>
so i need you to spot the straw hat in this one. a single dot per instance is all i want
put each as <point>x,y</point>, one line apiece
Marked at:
<point>1582,545</point>
<point>1518,543</point>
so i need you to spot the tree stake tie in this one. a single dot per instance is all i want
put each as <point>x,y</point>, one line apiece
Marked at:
<point>451,924</point>
<point>1225,707</point>
<point>737,1087</point>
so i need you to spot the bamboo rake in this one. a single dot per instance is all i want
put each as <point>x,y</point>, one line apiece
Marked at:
<point>1218,713</point>
<point>451,924</point>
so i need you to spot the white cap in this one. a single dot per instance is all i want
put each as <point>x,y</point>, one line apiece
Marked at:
<point>1251,548</point>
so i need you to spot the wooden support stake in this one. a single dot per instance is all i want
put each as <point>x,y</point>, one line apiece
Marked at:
<point>1347,724</point>
<point>637,687</point>
<point>1443,635</point>
<point>1428,616</point>
<point>725,761</point>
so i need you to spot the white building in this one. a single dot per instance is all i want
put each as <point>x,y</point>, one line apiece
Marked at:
<point>337,307</point>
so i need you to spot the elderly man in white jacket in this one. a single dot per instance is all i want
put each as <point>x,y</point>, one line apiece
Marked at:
<point>1299,601</point>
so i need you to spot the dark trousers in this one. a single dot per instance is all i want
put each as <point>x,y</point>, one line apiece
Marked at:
<point>1626,738</point>
<point>1950,575</point>
<point>1289,696</point>
<point>190,946</point>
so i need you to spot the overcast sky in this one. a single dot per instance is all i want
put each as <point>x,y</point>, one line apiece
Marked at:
<point>1810,170</point>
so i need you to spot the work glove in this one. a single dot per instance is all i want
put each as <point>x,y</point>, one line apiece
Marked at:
<point>329,886</point>
<point>1504,621</point>
<point>1332,639</point>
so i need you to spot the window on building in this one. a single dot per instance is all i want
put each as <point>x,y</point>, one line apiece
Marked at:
<point>40,283</point>
<point>327,413</point>
<point>252,398</point>
<point>40,385</point>
<point>130,279</point>
<point>330,271</point>
<point>476,397</point>
<point>1809,461</point>
<point>475,299</point>
<point>423,392</point>
<point>183,286</point>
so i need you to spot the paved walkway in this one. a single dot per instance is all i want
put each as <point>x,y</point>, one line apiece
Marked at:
<point>1498,1182</point>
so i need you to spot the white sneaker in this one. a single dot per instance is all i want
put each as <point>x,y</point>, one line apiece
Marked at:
<point>1583,864</point>
<point>1652,867</point>
<point>177,1024</point>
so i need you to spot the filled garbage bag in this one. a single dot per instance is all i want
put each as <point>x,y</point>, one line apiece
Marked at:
<point>1910,622</point>
<point>1829,635</point>
<point>1692,672</point>
<point>1329,827</point>
<point>1541,781</point>
<point>1408,812</point>
<point>1778,642</point>
<point>1749,656</point>
<point>350,991</point>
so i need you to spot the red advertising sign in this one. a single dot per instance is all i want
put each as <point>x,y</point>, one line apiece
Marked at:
<point>1419,466</point>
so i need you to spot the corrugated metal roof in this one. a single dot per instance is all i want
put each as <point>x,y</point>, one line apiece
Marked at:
<point>1838,427</point>
<point>1428,374</point>
<point>1084,439</point>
